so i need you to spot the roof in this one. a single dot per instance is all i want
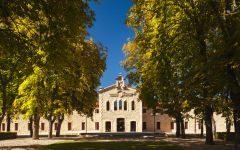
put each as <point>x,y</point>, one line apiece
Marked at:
<point>113,86</point>
<point>107,88</point>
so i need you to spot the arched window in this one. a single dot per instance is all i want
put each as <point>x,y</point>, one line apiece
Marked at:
<point>107,106</point>
<point>120,105</point>
<point>125,105</point>
<point>115,105</point>
<point>133,105</point>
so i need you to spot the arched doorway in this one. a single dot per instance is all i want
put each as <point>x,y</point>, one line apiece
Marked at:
<point>120,125</point>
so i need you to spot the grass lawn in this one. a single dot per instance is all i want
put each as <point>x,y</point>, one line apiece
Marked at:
<point>112,145</point>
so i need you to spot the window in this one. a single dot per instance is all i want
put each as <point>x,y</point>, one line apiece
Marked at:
<point>96,111</point>
<point>96,125</point>
<point>133,126</point>
<point>144,126</point>
<point>172,125</point>
<point>144,110</point>
<point>115,105</point>
<point>120,124</point>
<point>107,106</point>
<point>83,125</point>
<point>186,125</point>
<point>133,105</point>
<point>42,126</point>
<point>3,126</point>
<point>125,105</point>
<point>158,125</point>
<point>16,126</point>
<point>29,126</point>
<point>55,126</point>
<point>108,126</point>
<point>69,126</point>
<point>120,105</point>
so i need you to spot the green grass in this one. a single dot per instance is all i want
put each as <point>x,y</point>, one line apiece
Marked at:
<point>111,145</point>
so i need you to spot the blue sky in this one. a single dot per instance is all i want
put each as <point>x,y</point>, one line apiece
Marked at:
<point>110,30</point>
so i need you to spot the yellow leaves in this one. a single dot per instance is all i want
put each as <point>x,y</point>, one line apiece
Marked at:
<point>148,55</point>
<point>185,104</point>
<point>24,26</point>
<point>235,66</point>
<point>3,26</point>
<point>29,6</point>
<point>130,48</point>
<point>42,55</point>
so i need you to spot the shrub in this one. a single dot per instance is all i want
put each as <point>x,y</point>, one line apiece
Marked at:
<point>8,135</point>
<point>223,136</point>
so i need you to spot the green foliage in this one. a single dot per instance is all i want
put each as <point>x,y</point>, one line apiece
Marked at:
<point>184,53</point>
<point>223,136</point>
<point>8,135</point>
<point>57,68</point>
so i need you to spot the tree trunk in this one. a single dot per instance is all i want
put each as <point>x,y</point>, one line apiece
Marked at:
<point>50,116</point>
<point>235,97</point>
<point>50,122</point>
<point>214,127</point>
<point>4,98</point>
<point>31,126</point>
<point>60,119</point>
<point>8,122</point>
<point>182,128</point>
<point>208,123</point>
<point>200,38</point>
<point>36,120</point>
<point>228,126</point>
<point>178,126</point>
<point>201,127</point>
<point>236,115</point>
<point>50,129</point>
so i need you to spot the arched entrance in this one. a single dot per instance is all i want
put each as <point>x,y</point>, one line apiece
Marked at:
<point>120,124</point>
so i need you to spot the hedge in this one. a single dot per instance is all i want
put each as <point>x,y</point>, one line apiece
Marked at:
<point>8,135</point>
<point>223,136</point>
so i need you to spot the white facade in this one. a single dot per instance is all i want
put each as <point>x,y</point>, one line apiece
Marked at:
<point>119,110</point>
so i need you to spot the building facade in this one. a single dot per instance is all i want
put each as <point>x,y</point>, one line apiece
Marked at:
<point>118,110</point>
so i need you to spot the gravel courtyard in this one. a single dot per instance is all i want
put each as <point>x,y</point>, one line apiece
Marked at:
<point>26,143</point>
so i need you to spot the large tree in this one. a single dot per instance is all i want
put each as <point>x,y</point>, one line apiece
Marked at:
<point>227,20</point>
<point>60,60</point>
<point>188,48</point>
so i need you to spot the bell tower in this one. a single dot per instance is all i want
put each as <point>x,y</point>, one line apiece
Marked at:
<point>120,82</point>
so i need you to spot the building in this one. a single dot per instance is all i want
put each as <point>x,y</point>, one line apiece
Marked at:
<point>118,110</point>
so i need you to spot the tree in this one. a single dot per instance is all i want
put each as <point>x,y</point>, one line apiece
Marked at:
<point>150,60</point>
<point>54,35</point>
<point>227,19</point>
<point>10,77</point>
<point>176,48</point>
